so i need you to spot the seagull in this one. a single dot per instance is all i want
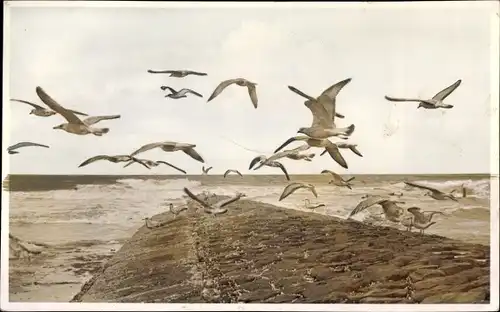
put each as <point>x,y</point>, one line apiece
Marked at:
<point>152,163</point>
<point>350,146</point>
<point>323,111</point>
<point>168,146</point>
<point>420,216</point>
<point>12,149</point>
<point>338,180</point>
<point>274,164</point>
<point>43,112</point>
<point>292,187</point>
<point>114,159</point>
<point>74,125</point>
<point>182,93</point>
<point>176,212</point>
<point>307,204</point>
<point>233,171</point>
<point>435,102</point>
<point>217,208</point>
<point>205,170</point>
<point>176,73</point>
<point>332,148</point>
<point>240,82</point>
<point>298,156</point>
<point>391,210</point>
<point>286,153</point>
<point>434,193</point>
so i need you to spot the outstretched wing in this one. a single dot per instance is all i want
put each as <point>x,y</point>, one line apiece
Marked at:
<point>94,159</point>
<point>290,188</point>
<point>221,87</point>
<point>393,99</point>
<point>29,103</point>
<point>227,172</point>
<point>24,144</point>
<point>331,94</point>
<point>193,92</point>
<point>150,146</point>
<point>256,160</point>
<point>196,198</point>
<point>50,102</point>
<point>355,150</point>
<point>367,203</point>
<point>172,90</point>
<point>423,187</point>
<point>151,71</point>
<point>190,72</point>
<point>334,152</point>
<point>95,119</point>
<point>321,117</point>
<point>194,154</point>
<point>252,91</point>
<point>443,94</point>
<point>302,94</point>
<point>332,91</point>
<point>170,165</point>
<point>280,165</point>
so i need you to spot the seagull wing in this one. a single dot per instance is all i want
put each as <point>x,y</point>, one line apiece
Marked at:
<point>238,173</point>
<point>193,92</point>
<point>423,187</point>
<point>77,112</point>
<point>334,152</point>
<point>334,175</point>
<point>172,90</point>
<point>280,165</point>
<point>196,198</point>
<point>321,118</point>
<point>330,95</point>
<point>50,102</point>
<point>128,164</point>
<point>150,146</point>
<point>190,72</point>
<point>24,144</point>
<point>252,91</point>
<point>29,103</point>
<point>370,201</point>
<point>170,165</point>
<point>393,99</point>
<point>290,188</point>
<point>151,71</point>
<point>441,95</point>
<point>313,190</point>
<point>221,87</point>
<point>332,91</point>
<point>256,160</point>
<point>95,119</point>
<point>355,150</point>
<point>96,158</point>
<point>194,154</point>
<point>293,89</point>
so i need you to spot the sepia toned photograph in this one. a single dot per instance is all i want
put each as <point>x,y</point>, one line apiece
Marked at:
<point>184,155</point>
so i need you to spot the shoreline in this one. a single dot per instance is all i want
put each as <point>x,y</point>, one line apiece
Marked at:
<point>258,252</point>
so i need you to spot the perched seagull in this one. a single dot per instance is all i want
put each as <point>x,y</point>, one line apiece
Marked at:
<point>435,102</point>
<point>350,146</point>
<point>420,216</point>
<point>274,164</point>
<point>332,148</point>
<point>217,208</point>
<point>176,212</point>
<point>434,193</point>
<point>12,149</point>
<point>182,93</point>
<point>338,180</point>
<point>176,73</point>
<point>292,187</point>
<point>169,146</point>
<point>114,159</point>
<point>421,226</point>
<point>240,82</point>
<point>323,111</point>
<point>391,210</point>
<point>233,171</point>
<point>307,204</point>
<point>74,125</point>
<point>152,163</point>
<point>43,112</point>
<point>205,170</point>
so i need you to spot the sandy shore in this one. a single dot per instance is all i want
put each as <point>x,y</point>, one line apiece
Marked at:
<point>261,253</point>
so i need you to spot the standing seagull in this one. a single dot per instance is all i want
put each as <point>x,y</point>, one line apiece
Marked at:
<point>152,163</point>
<point>176,73</point>
<point>232,171</point>
<point>391,210</point>
<point>169,146</point>
<point>176,212</point>
<point>216,208</point>
<point>274,164</point>
<point>419,216</point>
<point>74,125</point>
<point>205,170</point>
<point>43,112</point>
<point>435,102</point>
<point>240,82</point>
<point>338,180</point>
<point>12,149</point>
<point>114,159</point>
<point>182,93</point>
<point>292,187</point>
<point>307,204</point>
<point>352,147</point>
<point>434,193</point>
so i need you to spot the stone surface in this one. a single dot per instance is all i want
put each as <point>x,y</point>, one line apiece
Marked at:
<point>261,253</point>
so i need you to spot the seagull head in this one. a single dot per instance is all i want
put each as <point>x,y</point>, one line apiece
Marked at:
<point>32,111</point>
<point>420,105</point>
<point>303,130</point>
<point>61,126</point>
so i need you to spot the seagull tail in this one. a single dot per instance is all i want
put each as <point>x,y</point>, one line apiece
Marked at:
<point>349,130</point>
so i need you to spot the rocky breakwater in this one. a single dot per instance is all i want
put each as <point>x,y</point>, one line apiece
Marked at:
<point>261,253</point>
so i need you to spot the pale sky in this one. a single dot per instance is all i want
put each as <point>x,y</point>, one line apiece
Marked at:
<point>95,60</point>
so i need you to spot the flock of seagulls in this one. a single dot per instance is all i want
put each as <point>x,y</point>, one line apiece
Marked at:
<point>320,134</point>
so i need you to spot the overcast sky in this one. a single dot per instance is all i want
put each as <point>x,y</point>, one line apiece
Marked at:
<point>95,60</point>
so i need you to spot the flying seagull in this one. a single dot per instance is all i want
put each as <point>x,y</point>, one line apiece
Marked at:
<point>274,164</point>
<point>217,208</point>
<point>240,82</point>
<point>169,146</point>
<point>176,73</point>
<point>338,180</point>
<point>182,93</point>
<point>114,159</point>
<point>323,111</point>
<point>435,102</point>
<point>232,171</point>
<point>292,187</point>
<point>434,193</point>
<point>352,147</point>
<point>152,163</point>
<point>286,153</point>
<point>205,170</point>
<point>74,125</point>
<point>43,112</point>
<point>391,210</point>
<point>12,149</point>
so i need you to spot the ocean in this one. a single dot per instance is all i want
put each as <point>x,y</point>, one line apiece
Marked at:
<point>86,219</point>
